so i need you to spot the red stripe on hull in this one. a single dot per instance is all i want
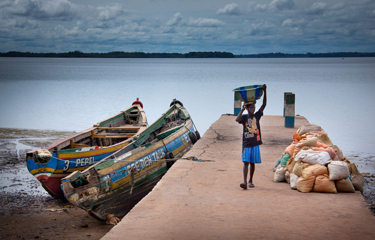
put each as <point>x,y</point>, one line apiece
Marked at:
<point>52,185</point>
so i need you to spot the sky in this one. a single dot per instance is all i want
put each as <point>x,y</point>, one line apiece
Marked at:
<point>182,26</point>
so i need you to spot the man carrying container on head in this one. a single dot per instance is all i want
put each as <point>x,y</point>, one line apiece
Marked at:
<point>251,138</point>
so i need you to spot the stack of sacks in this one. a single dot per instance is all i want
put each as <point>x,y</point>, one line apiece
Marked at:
<point>312,163</point>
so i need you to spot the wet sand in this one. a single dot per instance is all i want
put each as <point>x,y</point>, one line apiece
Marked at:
<point>26,209</point>
<point>28,212</point>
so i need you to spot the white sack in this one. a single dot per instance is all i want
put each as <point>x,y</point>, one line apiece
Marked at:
<point>338,170</point>
<point>313,157</point>
<point>279,174</point>
<point>293,181</point>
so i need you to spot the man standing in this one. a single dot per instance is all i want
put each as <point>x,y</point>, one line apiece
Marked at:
<point>252,137</point>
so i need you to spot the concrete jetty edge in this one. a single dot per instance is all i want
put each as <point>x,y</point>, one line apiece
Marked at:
<point>203,200</point>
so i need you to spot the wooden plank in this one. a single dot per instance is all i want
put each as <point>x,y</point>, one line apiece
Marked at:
<point>128,135</point>
<point>127,126</point>
<point>77,145</point>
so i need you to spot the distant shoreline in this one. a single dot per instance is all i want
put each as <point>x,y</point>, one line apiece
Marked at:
<point>119,54</point>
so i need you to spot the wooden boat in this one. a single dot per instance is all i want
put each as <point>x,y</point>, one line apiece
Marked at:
<point>115,184</point>
<point>86,148</point>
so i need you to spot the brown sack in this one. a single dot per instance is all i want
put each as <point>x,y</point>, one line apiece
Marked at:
<point>314,170</point>
<point>309,127</point>
<point>290,149</point>
<point>309,142</point>
<point>324,139</point>
<point>324,185</point>
<point>357,179</point>
<point>290,164</point>
<point>298,167</point>
<point>305,185</point>
<point>345,185</point>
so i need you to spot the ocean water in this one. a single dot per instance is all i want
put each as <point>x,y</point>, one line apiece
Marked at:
<point>73,94</point>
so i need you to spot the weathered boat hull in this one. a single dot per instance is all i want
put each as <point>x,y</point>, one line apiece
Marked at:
<point>116,184</point>
<point>114,203</point>
<point>69,155</point>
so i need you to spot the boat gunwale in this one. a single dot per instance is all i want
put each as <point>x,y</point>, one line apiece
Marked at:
<point>142,127</point>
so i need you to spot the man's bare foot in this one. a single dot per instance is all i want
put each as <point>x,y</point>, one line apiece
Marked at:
<point>243,185</point>
<point>112,220</point>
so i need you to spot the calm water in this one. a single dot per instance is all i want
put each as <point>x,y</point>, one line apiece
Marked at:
<point>73,94</point>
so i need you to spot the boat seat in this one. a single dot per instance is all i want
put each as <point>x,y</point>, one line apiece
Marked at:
<point>77,145</point>
<point>111,135</point>
<point>122,127</point>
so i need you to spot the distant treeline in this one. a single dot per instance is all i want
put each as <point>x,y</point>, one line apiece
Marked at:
<point>306,55</point>
<point>79,54</point>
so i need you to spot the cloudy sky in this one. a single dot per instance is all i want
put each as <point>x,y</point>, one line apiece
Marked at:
<point>237,26</point>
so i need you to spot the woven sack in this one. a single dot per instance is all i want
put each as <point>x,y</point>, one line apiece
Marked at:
<point>314,170</point>
<point>309,127</point>
<point>313,157</point>
<point>357,179</point>
<point>324,185</point>
<point>279,175</point>
<point>293,181</point>
<point>323,137</point>
<point>284,159</point>
<point>290,149</point>
<point>338,170</point>
<point>305,185</point>
<point>309,142</point>
<point>287,176</point>
<point>290,164</point>
<point>345,185</point>
<point>298,167</point>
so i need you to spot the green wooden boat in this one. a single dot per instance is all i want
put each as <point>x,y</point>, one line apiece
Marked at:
<point>115,184</point>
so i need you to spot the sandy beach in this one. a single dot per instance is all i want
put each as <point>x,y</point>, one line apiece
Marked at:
<point>28,212</point>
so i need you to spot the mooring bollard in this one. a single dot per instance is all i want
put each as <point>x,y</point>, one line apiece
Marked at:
<point>285,93</point>
<point>289,110</point>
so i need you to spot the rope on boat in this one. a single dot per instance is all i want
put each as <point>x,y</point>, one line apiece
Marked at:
<point>160,160</point>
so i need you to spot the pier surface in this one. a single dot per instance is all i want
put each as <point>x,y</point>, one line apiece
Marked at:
<point>203,200</point>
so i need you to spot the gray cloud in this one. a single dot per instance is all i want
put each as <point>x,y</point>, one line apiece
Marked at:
<point>242,27</point>
<point>62,10</point>
<point>230,9</point>
<point>111,12</point>
<point>275,5</point>
<point>317,8</point>
<point>205,22</point>
<point>281,5</point>
<point>175,20</point>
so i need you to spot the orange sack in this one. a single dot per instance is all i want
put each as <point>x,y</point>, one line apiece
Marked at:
<point>314,170</point>
<point>305,185</point>
<point>324,185</point>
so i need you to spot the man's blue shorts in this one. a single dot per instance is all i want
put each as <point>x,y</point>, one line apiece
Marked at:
<point>251,155</point>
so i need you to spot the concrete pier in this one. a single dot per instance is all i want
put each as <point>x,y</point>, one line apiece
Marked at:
<point>203,200</point>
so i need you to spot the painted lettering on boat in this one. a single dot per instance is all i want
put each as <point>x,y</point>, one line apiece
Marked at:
<point>84,161</point>
<point>80,162</point>
<point>144,162</point>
